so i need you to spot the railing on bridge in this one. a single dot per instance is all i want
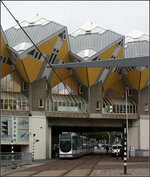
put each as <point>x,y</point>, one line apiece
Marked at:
<point>66,103</point>
<point>20,158</point>
<point>118,105</point>
<point>14,101</point>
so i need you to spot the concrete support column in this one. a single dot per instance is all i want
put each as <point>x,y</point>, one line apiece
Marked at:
<point>50,141</point>
<point>47,139</point>
<point>89,100</point>
<point>38,134</point>
<point>133,134</point>
<point>144,132</point>
<point>139,134</point>
<point>30,98</point>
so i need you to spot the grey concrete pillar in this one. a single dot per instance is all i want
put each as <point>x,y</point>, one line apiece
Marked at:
<point>50,141</point>
<point>89,100</point>
<point>30,98</point>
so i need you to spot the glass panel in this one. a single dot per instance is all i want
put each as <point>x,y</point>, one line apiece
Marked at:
<point>1,103</point>
<point>55,106</point>
<point>47,106</point>
<point>68,107</point>
<point>11,82</point>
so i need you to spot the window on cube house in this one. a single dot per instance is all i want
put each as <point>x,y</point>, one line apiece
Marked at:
<point>70,87</point>
<point>11,83</point>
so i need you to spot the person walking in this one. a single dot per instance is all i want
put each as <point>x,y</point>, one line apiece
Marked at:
<point>107,149</point>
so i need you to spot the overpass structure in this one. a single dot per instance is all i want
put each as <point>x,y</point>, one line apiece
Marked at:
<point>71,82</point>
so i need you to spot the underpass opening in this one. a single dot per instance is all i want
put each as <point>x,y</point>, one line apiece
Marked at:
<point>104,138</point>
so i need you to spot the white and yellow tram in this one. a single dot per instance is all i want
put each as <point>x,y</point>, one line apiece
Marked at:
<point>74,145</point>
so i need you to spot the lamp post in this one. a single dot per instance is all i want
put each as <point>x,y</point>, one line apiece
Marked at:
<point>127,124</point>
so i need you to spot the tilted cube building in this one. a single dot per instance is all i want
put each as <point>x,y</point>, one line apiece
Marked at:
<point>38,98</point>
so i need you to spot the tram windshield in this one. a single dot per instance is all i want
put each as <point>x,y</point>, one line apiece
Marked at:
<point>65,143</point>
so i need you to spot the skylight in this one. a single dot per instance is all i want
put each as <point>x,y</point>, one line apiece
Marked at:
<point>86,53</point>
<point>22,46</point>
<point>33,21</point>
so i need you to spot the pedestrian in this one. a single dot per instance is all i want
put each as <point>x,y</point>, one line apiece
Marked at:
<point>107,149</point>
<point>53,151</point>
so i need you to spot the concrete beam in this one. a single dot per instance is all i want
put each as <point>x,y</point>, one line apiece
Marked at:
<point>124,62</point>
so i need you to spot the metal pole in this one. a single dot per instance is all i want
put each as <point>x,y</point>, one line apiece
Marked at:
<point>33,147</point>
<point>33,152</point>
<point>12,153</point>
<point>127,126</point>
<point>125,152</point>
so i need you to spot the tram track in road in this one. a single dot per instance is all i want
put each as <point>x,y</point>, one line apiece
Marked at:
<point>85,162</point>
<point>91,170</point>
<point>82,162</point>
<point>48,165</point>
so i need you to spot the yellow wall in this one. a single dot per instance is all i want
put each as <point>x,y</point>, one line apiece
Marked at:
<point>4,50</point>
<point>145,76</point>
<point>71,84</point>
<point>120,53</point>
<point>83,75</point>
<point>47,47</point>
<point>32,67</point>
<point>5,70</point>
<point>93,73</point>
<point>113,82</point>
<point>108,52</point>
<point>20,67</point>
<point>63,74</point>
<point>63,53</point>
<point>134,78</point>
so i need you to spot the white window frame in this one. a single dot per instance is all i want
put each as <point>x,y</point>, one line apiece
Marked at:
<point>40,106</point>
<point>146,107</point>
<point>128,91</point>
<point>24,86</point>
<point>80,89</point>
<point>99,105</point>
<point>46,86</point>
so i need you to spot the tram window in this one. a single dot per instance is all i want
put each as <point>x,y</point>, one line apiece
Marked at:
<point>65,143</point>
<point>74,142</point>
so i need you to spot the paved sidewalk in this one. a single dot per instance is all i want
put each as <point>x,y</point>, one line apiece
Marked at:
<point>86,166</point>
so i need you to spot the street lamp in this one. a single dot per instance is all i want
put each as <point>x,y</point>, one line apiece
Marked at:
<point>127,123</point>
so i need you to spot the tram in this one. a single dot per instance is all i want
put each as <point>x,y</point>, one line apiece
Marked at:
<point>74,145</point>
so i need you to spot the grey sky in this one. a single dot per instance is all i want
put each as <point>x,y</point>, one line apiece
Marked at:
<point>119,16</point>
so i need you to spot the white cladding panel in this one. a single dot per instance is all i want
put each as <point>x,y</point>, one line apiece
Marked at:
<point>38,127</point>
<point>144,134</point>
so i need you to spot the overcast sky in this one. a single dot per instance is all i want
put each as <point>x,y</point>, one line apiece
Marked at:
<point>119,16</point>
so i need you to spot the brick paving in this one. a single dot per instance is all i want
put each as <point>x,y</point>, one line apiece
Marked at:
<point>84,166</point>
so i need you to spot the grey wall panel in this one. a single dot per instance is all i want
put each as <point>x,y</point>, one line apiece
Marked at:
<point>36,33</point>
<point>137,48</point>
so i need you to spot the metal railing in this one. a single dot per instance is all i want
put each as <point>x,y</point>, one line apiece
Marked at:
<point>20,158</point>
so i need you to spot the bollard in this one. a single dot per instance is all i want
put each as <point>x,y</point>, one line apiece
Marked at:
<point>33,153</point>
<point>125,152</point>
<point>13,160</point>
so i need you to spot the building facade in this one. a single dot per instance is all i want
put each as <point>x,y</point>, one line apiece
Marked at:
<point>39,100</point>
